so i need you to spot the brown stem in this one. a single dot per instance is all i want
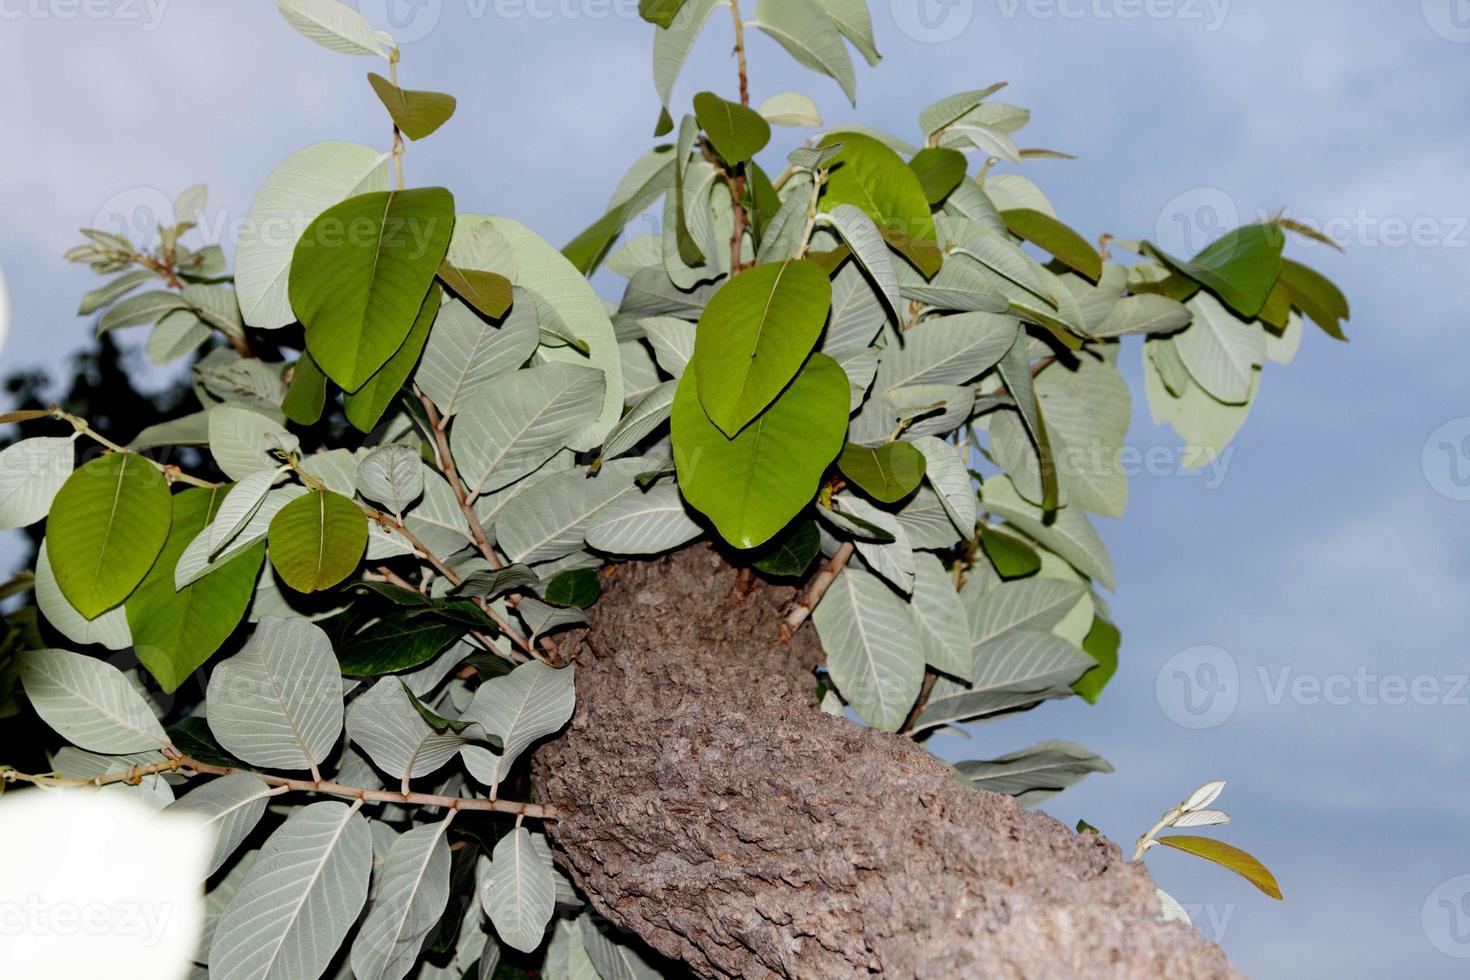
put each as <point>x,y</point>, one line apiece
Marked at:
<point>740,52</point>
<point>804,606</point>
<point>185,766</point>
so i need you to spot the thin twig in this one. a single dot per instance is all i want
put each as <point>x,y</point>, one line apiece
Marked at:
<point>172,473</point>
<point>184,766</point>
<point>740,52</point>
<point>803,608</point>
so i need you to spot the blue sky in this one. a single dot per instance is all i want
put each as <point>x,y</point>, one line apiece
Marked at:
<point>1328,565</point>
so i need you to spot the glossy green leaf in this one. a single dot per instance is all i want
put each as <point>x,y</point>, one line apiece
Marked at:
<point>660,13</point>
<point>792,554</point>
<point>396,642</point>
<point>366,405</point>
<point>754,336</point>
<point>737,132</point>
<point>1012,557</point>
<point>317,540</point>
<point>1051,235</point>
<point>360,273</point>
<point>108,523</point>
<point>579,587</point>
<point>753,485</point>
<point>416,114</point>
<point>887,474</point>
<point>1226,856</point>
<point>940,170</point>
<point>872,177</point>
<point>175,631</point>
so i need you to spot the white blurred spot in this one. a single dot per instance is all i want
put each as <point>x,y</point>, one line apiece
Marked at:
<point>97,885</point>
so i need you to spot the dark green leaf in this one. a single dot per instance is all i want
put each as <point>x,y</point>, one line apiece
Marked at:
<point>489,292</point>
<point>397,641</point>
<point>793,554</point>
<point>1318,299</point>
<point>192,737</point>
<point>1051,235</point>
<point>579,587</point>
<point>659,12</point>
<point>417,114</point>
<point>1012,557</point>
<point>871,176</point>
<point>1241,267</point>
<point>306,398</point>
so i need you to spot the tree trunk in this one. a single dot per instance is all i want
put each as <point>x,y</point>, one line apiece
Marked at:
<point>730,824</point>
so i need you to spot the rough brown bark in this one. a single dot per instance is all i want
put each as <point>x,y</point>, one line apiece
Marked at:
<point>731,825</point>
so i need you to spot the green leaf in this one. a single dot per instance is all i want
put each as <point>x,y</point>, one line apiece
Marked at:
<point>333,25</point>
<point>1221,350</point>
<point>810,36</point>
<point>317,540</point>
<point>1051,235</point>
<point>360,273</point>
<point>141,309</point>
<point>1318,299</point>
<point>411,895</point>
<point>1226,856</point>
<point>866,242</point>
<point>737,132</point>
<point>230,807</point>
<point>386,722</point>
<point>109,629</point>
<point>940,620</point>
<point>754,336</point>
<point>89,702</point>
<point>366,405</point>
<point>521,708</point>
<point>278,702</point>
<point>108,523</point>
<point>520,893</point>
<point>509,430</point>
<point>398,641</point>
<point>659,12</point>
<point>32,472</point>
<point>579,587</point>
<point>175,631</point>
<point>855,23</point>
<point>466,353</point>
<point>1035,774</point>
<point>417,114</point>
<point>887,474</point>
<point>650,177</point>
<point>644,523</point>
<point>299,899</point>
<point>791,109</point>
<point>940,170</point>
<point>489,292</point>
<point>792,555</point>
<point>1240,267</point>
<point>753,485</point>
<point>296,192</point>
<point>110,292</point>
<point>868,174</point>
<point>306,398</point>
<point>392,475</point>
<point>867,632</point>
<point>1101,643</point>
<point>1012,557</point>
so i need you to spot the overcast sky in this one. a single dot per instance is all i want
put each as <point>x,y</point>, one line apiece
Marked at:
<point>1315,586</point>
